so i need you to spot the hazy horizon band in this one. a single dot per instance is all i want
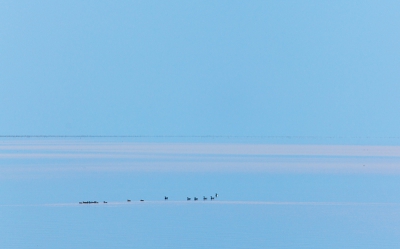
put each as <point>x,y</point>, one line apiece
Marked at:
<point>61,156</point>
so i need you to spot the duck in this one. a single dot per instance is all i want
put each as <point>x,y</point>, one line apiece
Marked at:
<point>195,198</point>
<point>128,200</point>
<point>165,197</point>
<point>204,198</point>
<point>188,198</point>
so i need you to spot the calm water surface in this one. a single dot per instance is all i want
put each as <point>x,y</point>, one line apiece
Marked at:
<point>40,189</point>
<point>200,225</point>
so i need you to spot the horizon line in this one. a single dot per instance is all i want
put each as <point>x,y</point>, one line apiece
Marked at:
<point>199,136</point>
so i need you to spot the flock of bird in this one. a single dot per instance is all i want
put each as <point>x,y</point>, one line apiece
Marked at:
<point>212,197</point>
<point>196,199</point>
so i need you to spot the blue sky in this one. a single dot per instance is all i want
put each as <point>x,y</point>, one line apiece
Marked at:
<point>272,68</point>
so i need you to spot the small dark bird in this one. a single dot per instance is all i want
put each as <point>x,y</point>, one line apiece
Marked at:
<point>216,195</point>
<point>165,197</point>
<point>104,202</point>
<point>128,200</point>
<point>188,198</point>
<point>204,198</point>
<point>195,198</point>
<point>211,197</point>
<point>141,200</point>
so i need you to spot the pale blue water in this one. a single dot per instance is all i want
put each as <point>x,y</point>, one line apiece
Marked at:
<point>200,225</point>
<point>326,211</point>
<point>255,209</point>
